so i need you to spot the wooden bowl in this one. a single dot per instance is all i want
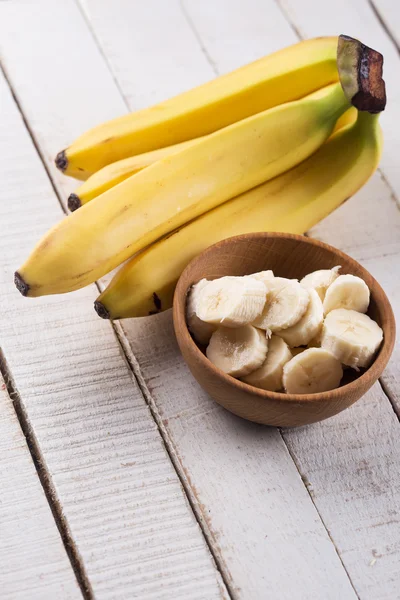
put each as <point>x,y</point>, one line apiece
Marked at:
<point>291,256</point>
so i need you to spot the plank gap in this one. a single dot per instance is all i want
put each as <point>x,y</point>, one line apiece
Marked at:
<point>197,35</point>
<point>306,485</point>
<point>48,488</point>
<point>383,24</point>
<point>101,51</point>
<point>392,402</point>
<point>28,128</point>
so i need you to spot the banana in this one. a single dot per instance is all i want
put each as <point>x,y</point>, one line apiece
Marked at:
<point>347,291</point>
<point>286,75</point>
<point>351,336</point>
<point>101,235</point>
<point>231,301</point>
<point>269,375</point>
<point>312,371</point>
<point>320,280</point>
<point>293,203</point>
<point>287,302</point>
<point>200,330</point>
<point>238,351</point>
<point>112,174</point>
<point>116,172</point>
<point>309,324</point>
<point>265,276</point>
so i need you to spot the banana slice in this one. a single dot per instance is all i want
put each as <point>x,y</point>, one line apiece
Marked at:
<point>314,370</point>
<point>238,351</point>
<point>320,280</point>
<point>309,325</point>
<point>231,301</point>
<point>200,330</point>
<point>269,375</point>
<point>351,336</point>
<point>347,291</point>
<point>286,303</point>
<point>264,276</point>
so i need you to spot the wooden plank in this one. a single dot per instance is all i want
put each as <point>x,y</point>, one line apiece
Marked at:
<point>33,560</point>
<point>250,563</point>
<point>122,503</point>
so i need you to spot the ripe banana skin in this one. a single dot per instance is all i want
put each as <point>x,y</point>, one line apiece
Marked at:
<point>116,172</point>
<point>293,203</point>
<point>112,174</point>
<point>124,220</point>
<point>286,75</point>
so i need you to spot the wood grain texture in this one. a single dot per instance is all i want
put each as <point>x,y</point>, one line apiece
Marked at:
<point>368,226</point>
<point>290,256</point>
<point>34,562</point>
<point>122,503</point>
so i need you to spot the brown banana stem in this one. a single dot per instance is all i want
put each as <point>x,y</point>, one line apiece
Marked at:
<point>360,72</point>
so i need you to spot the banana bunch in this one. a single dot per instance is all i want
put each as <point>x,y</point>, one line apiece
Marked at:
<point>276,145</point>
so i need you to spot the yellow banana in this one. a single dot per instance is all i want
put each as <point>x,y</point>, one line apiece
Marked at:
<point>292,203</point>
<point>286,75</point>
<point>116,172</point>
<point>101,235</point>
<point>109,176</point>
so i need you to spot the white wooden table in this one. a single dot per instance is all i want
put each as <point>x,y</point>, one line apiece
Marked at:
<point>119,477</point>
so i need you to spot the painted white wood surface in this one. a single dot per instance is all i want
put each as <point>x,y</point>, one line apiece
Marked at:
<point>300,536</point>
<point>34,563</point>
<point>172,388</point>
<point>123,507</point>
<point>389,12</point>
<point>368,227</point>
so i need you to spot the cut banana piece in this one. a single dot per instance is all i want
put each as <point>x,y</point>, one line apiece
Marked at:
<point>309,325</point>
<point>269,375</point>
<point>314,370</point>
<point>238,351</point>
<point>286,303</point>
<point>264,276</point>
<point>351,336</point>
<point>347,291</point>
<point>320,280</point>
<point>231,301</point>
<point>200,330</point>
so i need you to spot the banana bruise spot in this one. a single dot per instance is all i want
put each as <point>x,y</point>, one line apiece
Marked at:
<point>74,202</point>
<point>101,310</point>
<point>157,301</point>
<point>61,161</point>
<point>360,73</point>
<point>20,284</point>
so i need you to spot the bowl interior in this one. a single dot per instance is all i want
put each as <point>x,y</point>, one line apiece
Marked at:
<point>288,256</point>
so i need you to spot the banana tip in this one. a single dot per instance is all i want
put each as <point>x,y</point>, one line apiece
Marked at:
<point>74,202</point>
<point>101,310</point>
<point>61,161</point>
<point>21,285</point>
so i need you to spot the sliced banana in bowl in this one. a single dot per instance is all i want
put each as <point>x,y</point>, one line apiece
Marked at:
<point>282,321</point>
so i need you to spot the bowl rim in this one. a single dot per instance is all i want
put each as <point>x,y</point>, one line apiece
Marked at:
<point>370,375</point>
